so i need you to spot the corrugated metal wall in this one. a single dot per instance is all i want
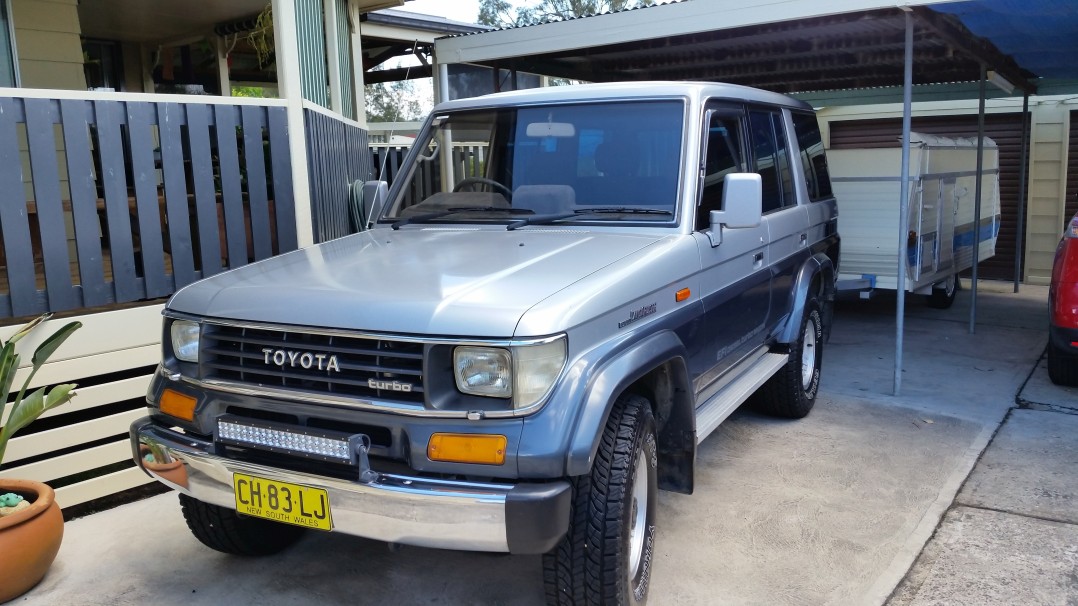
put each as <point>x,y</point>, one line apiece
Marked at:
<point>1005,129</point>
<point>311,33</point>
<point>344,50</point>
<point>337,155</point>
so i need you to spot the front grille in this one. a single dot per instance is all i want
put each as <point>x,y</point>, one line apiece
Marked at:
<point>315,364</point>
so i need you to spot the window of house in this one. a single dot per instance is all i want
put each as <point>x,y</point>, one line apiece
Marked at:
<point>8,75</point>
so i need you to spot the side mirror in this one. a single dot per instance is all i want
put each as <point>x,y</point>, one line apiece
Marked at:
<point>742,197</point>
<point>375,194</point>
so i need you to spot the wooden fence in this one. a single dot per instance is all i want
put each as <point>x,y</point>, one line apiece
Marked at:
<point>108,198</point>
<point>336,157</point>
<point>469,160</point>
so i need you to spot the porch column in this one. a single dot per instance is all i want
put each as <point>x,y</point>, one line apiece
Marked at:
<point>358,81</point>
<point>222,67</point>
<point>289,82</point>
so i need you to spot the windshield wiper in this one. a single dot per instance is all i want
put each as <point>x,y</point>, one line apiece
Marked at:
<point>602,210</point>
<point>464,209</point>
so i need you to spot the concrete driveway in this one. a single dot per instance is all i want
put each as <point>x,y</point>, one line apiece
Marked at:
<point>832,509</point>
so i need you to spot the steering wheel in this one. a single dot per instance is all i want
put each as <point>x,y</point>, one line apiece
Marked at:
<point>471,181</point>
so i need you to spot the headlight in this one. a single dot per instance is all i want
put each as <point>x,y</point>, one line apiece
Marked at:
<point>524,373</point>
<point>483,371</point>
<point>185,340</point>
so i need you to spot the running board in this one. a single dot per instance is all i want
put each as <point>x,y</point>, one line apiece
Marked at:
<point>725,402</point>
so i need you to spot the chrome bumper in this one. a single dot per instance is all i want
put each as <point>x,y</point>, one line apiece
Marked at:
<point>522,518</point>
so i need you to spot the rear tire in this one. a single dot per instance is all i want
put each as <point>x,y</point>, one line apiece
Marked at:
<point>943,297</point>
<point>605,557</point>
<point>791,392</point>
<point>1062,367</point>
<point>226,531</point>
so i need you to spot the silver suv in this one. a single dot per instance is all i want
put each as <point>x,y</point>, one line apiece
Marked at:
<point>564,292</point>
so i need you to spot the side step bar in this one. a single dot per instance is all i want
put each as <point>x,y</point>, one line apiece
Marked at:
<point>726,400</point>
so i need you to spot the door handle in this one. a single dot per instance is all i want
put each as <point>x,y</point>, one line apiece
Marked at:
<point>758,260</point>
<point>804,239</point>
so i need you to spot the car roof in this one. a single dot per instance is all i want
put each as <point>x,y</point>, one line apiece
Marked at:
<point>624,91</point>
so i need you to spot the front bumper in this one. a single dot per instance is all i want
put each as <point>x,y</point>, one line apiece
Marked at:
<point>1063,338</point>
<point>520,518</point>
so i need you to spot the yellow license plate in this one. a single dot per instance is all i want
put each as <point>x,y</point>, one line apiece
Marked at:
<point>282,502</point>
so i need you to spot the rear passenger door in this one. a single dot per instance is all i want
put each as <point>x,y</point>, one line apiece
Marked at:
<point>786,221</point>
<point>735,276</point>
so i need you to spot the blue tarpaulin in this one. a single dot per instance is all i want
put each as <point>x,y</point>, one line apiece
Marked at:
<point>1041,35</point>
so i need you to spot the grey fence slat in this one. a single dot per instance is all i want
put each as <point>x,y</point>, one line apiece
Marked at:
<point>231,189</point>
<point>50,209</point>
<point>257,198</point>
<point>117,212</point>
<point>198,131</point>
<point>170,132</point>
<point>280,158</point>
<point>80,175</point>
<point>22,283</point>
<point>140,118</point>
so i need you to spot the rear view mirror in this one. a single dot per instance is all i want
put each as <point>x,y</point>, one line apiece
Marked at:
<point>375,194</point>
<point>551,129</point>
<point>742,201</point>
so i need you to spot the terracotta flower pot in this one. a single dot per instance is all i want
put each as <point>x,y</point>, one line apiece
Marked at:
<point>174,472</point>
<point>29,539</point>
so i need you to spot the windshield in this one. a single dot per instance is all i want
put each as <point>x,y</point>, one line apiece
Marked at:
<point>580,163</point>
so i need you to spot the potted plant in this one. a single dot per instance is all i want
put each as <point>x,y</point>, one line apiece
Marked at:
<point>31,525</point>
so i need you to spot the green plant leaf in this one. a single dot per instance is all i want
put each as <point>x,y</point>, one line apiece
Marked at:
<point>29,326</point>
<point>49,346</point>
<point>35,404</point>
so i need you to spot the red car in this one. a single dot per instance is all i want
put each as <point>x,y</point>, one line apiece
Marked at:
<point>1063,308</point>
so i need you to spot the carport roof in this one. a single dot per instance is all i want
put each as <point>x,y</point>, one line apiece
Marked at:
<point>794,46</point>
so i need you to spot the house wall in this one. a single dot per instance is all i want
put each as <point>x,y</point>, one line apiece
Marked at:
<point>1046,184</point>
<point>47,36</point>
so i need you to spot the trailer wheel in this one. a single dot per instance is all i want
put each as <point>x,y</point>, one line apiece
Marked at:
<point>791,392</point>
<point>226,531</point>
<point>606,556</point>
<point>944,293</point>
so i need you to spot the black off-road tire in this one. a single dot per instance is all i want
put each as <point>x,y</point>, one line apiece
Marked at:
<point>943,298</point>
<point>791,392</point>
<point>591,564</point>
<point>226,531</point>
<point>1062,367</point>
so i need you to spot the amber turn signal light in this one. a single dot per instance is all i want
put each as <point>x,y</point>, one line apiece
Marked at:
<point>175,404</point>
<point>483,449</point>
<point>682,294</point>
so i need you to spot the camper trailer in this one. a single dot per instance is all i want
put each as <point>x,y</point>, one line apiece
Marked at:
<point>941,231</point>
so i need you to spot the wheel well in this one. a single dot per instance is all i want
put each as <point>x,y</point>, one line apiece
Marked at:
<point>671,402</point>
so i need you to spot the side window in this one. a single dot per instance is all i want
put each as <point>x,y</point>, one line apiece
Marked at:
<point>771,159</point>
<point>723,156</point>
<point>813,160</point>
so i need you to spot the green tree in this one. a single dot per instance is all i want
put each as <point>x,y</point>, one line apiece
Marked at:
<point>393,102</point>
<point>502,13</point>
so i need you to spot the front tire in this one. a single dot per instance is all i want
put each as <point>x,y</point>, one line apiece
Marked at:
<point>606,556</point>
<point>791,392</point>
<point>226,531</point>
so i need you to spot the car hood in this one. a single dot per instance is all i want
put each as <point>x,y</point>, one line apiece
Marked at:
<point>431,281</point>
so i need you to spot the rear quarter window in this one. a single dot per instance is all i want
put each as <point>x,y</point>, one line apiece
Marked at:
<point>813,159</point>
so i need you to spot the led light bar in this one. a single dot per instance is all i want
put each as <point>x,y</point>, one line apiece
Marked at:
<point>288,440</point>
